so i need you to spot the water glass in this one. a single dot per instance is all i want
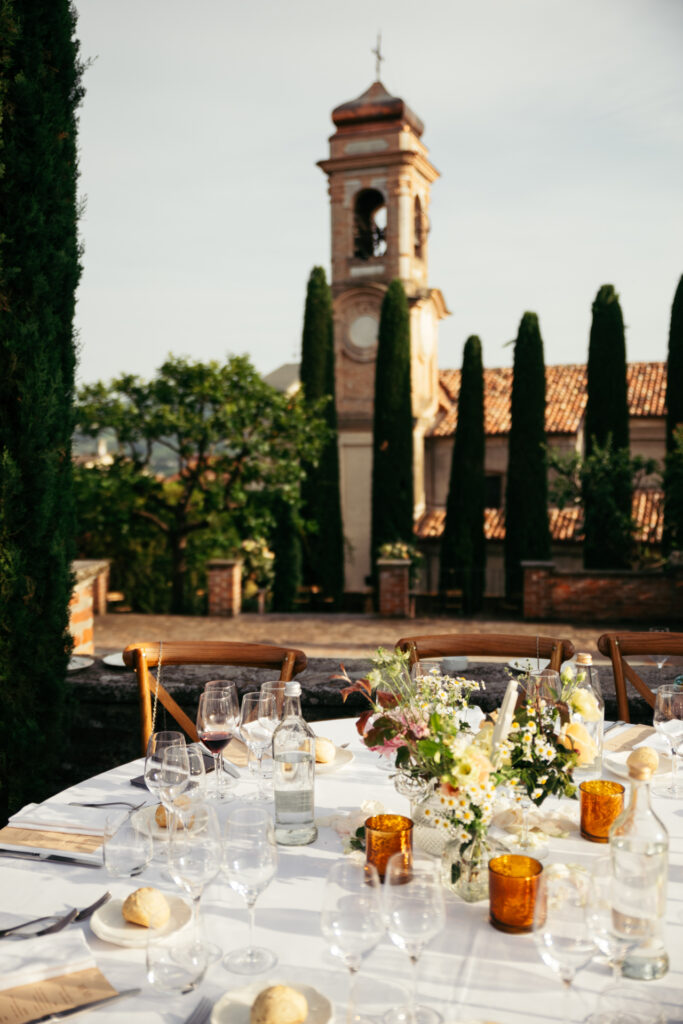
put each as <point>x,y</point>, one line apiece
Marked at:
<point>127,849</point>
<point>174,964</point>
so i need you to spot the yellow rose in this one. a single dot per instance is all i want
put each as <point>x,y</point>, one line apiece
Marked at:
<point>474,768</point>
<point>585,704</point>
<point>575,737</point>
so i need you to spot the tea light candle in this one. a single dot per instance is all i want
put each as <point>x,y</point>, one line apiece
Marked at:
<point>513,883</point>
<point>601,802</point>
<point>386,834</point>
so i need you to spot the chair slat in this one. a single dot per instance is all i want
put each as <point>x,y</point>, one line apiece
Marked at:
<point>618,646</point>
<point>494,644</point>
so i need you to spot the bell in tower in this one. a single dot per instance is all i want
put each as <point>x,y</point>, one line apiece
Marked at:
<point>380,178</point>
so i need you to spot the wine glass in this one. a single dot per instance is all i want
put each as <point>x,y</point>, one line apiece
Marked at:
<point>668,721</point>
<point>414,914</point>
<point>249,861</point>
<point>196,787</point>
<point>156,745</point>
<point>194,860</point>
<point>351,917</point>
<point>610,932</point>
<point>275,688</point>
<point>659,659</point>
<point>524,844</point>
<point>174,776</point>
<point>561,929</point>
<point>258,721</point>
<point>216,720</point>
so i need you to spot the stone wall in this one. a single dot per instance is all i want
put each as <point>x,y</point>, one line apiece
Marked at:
<point>601,595</point>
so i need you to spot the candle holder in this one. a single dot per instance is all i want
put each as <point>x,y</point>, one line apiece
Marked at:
<point>385,835</point>
<point>601,802</point>
<point>513,883</point>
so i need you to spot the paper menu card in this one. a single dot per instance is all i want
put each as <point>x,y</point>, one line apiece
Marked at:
<point>628,738</point>
<point>87,848</point>
<point>26,1002</point>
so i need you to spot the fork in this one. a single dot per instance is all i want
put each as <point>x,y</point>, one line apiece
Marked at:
<point>200,1012</point>
<point>61,922</point>
<point>109,803</point>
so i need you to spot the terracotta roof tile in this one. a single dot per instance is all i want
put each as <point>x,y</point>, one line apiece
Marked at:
<point>647,510</point>
<point>565,397</point>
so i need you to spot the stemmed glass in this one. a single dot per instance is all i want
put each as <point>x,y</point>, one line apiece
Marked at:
<point>659,659</point>
<point>216,720</point>
<point>196,786</point>
<point>524,845</point>
<point>414,914</point>
<point>561,929</point>
<point>156,745</point>
<point>258,721</point>
<point>351,918</point>
<point>194,860</point>
<point>174,776</point>
<point>249,861</point>
<point>668,721</point>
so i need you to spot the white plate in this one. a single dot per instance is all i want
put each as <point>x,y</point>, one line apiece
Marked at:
<point>78,662</point>
<point>144,820</point>
<point>342,757</point>
<point>529,664</point>
<point>234,1007</point>
<point>109,924</point>
<point>616,762</point>
<point>114,660</point>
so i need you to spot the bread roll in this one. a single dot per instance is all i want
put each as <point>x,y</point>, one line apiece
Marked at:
<point>161,814</point>
<point>279,1004</point>
<point>147,907</point>
<point>325,750</point>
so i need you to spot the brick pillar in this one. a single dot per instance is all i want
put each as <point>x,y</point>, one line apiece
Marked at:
<point>81,623</point>
<point>536,599</point>
<point>225,586</point>
<point>394,587</point>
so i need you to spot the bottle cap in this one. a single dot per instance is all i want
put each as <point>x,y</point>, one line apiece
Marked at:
<point>584,659</point>
<point>293,688</point>
<point>642,763</point>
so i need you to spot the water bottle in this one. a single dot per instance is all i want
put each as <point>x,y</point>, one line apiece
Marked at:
<point>294,773</point>
<point>639,847</point>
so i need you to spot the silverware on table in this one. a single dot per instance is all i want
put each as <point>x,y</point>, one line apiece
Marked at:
<point>56,921</point>
<point>108,803</point>
<point>62,1014</point>
<point>57,858</point>
<point>200,1012</point>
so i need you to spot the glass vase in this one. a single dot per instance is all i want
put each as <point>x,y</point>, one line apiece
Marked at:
<point>465,866</point>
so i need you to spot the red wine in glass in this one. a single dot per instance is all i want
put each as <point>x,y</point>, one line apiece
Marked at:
<point>216,717</point>
<point>215,742</point>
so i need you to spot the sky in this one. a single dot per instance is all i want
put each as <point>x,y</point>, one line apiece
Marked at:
<point>556,126</point>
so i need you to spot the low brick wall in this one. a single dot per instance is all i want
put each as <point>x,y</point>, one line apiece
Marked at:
<point>394,588</point>
<point>224,577</point>
<point>601,595</point>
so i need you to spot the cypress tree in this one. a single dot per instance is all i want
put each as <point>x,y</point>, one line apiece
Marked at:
<point>392,443</point>
<point>607,472</point>
<point>463,547</point>
<point>527,536</point>
<point>287,550</point>
<point>607,405</point>
<point>324,555</point>
<point>39,272</point>
<point>673,474</point>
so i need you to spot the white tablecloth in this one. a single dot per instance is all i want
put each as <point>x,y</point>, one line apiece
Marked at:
<point>469,972</point>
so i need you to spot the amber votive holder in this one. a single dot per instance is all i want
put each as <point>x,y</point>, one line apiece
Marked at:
<point>513,883</point>
<point>385,835</point>
<point>601,802</point>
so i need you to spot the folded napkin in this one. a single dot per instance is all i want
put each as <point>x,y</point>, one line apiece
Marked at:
<point>26,961</point>
<point>53,816</point>
<point>633,736</point>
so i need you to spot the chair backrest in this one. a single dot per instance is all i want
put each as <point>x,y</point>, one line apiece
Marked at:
<point>509,644</point>
<point>142,656</point>
<point>618,646</point>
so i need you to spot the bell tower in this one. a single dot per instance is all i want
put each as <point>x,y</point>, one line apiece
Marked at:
<point>380,178</point>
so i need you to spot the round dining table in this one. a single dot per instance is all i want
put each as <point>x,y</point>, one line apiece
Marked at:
<point>469,972</point>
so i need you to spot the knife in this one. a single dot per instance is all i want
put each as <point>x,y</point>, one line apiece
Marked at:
<point>62,1014</point>
<point>56,858</point>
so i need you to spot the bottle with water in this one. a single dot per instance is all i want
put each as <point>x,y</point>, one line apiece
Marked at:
<point>639,847</point>
<point>294,773</point>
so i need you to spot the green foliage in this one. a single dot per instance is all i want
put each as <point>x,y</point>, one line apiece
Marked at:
<point>39,270</point>
<point>527,536</point>
<point>324,542</point>
<point>287,548</point>
<point>463,546</point>
<point>392,452</point>
<point>232,444</point>
<point>673,502</point>
<point>607,406</point>
<point>673,493</point>
<point>600,476</point>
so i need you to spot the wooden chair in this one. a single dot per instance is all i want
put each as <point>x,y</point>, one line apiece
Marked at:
<point>509,644</point>
<point>618,646</point>
<point>142,656</point>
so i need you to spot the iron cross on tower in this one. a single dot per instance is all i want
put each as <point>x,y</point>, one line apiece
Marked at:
<point>378,56</point>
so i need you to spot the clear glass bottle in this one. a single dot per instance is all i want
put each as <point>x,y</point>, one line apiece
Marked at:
<point>587,709</point>
<point>639,847</point>
<point>294,773</point>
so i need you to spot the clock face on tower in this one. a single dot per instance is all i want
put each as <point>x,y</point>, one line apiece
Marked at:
<point>363,332</point>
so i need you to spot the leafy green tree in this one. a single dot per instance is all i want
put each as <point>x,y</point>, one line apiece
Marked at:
<point>463,546</point>
<point>227,442</point>
<point>673,504</point>
<point>322,502</point>
<point>40,90</point>
<point>392,451</point>
<point>527,536</point>
<point>607,505</point>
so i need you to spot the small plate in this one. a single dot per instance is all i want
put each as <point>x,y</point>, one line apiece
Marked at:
<point>114,660</point>
<point>616,762</point>
<point>529,664</point>
<point>342,757</point>
<point>235,1006</point>
<point>144,820</point>
<point>78,662</point>
<point>109,924</point>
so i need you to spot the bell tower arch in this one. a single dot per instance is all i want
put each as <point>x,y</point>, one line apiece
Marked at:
<point>379,177</point>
